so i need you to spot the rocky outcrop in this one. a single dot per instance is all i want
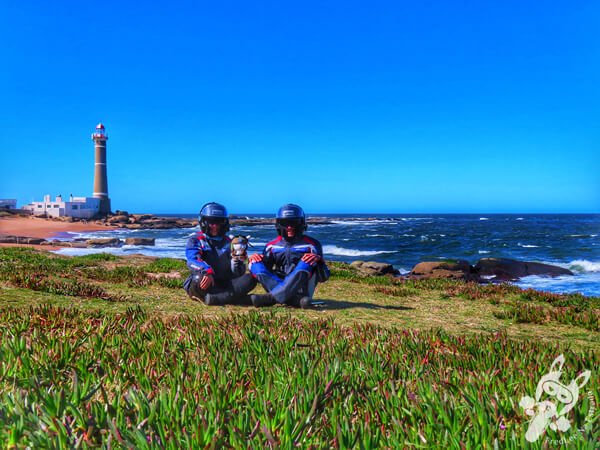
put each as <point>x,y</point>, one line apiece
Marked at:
<point>145,221</point>
<point>104,242</point>
<point>10,239</point>
<point>454,269</point>
<point>117,219</point>
<point>140,241</point>
<point>510,269</point>
<point>373,268</point>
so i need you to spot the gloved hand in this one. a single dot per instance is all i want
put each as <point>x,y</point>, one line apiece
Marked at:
<point>206,282</point>
<point>311,258</point>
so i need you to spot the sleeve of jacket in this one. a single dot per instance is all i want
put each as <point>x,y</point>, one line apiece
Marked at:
<point>193,255</point>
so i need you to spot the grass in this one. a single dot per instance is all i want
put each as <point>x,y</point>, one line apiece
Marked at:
<point>98,351</point>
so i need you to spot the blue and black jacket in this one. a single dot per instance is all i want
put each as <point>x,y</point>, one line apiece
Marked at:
<point>282,256</point>
<point>212,256</point>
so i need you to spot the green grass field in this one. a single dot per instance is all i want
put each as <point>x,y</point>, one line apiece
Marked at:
<point>99,351</point>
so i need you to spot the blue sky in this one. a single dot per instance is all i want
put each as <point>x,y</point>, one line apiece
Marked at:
<point>391,107</point>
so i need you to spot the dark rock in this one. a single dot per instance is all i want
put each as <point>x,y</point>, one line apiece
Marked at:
<point>510,269</point>
<point>456,269</point>
<point>77,244</point>
<point>104,242</point>
<point>118,219</point>
<point>139,241</point>
<point>72,244</point>
<point>139,217</point>
<point>373,268</point>
<point>118,212</point>
<point>9,239</point>
<point>31,241</point>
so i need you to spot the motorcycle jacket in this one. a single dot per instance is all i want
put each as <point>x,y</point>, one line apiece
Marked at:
<point>212,256</point>
<point>282,256</point>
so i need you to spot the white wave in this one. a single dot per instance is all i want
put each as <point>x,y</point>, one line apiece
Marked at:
<point>519,218</point>
<point>483,218</point>
<point>585,283</point>
<point>583,265</point>
<point>405,219</point>
<point>483,252</point>
<point>362,222</point>
<point>528,245</point>
<point>340,251</point>
<point>380,235</point>
<point>409,235</point>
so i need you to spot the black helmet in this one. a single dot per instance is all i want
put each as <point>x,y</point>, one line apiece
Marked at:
<point>213,212</point>
<point>290,214</point>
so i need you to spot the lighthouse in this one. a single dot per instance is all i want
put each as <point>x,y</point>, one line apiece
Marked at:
<point>100,137</point>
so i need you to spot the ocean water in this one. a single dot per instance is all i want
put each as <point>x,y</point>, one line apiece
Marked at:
<point>567,240</point>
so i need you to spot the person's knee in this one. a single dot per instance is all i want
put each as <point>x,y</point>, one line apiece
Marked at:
<point>192,287</point>
<point>258,268</point>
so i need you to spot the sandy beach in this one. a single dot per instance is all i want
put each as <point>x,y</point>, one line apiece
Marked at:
<point>43,228</point>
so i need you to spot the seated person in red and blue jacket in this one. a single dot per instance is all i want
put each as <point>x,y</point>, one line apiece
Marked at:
<point>291,265</point>
<point>216,278</point>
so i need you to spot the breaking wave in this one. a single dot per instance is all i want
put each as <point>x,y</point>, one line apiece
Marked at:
<point>583,265</point>
<point>340,251</point>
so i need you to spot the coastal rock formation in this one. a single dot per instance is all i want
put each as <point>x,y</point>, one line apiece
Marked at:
<point>373,268</point>
<point>10,239</point>
<point>118,219</point>
<point>455,269</point>
<point>146,221</point>
<point>72,244</point>
<point>140,241</point>
<point>104,242</point>
<point>510,269</point>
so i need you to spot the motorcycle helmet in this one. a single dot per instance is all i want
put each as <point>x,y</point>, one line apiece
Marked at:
<point>290,214</point>
<point>213,213</point>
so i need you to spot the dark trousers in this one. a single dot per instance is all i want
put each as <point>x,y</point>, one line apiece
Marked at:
<point>234,291</point>
<point>299,283</point>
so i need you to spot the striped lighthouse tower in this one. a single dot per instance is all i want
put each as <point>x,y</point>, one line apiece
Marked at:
<point>100,137</point>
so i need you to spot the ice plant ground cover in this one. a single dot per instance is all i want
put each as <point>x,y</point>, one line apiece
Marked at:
<point>99,351</point>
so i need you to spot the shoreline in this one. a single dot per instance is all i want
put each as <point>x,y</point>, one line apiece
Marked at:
<point>36,227</point>
<point>40,228</point>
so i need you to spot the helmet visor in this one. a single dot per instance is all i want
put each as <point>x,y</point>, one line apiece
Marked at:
<point>215,220</point>
<point>290,222</point>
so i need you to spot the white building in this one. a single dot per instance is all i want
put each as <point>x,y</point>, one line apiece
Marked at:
<point>82,207</point>
<point>8,203</point>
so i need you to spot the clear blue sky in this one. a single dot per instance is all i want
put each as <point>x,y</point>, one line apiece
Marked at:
<point>392,107</point>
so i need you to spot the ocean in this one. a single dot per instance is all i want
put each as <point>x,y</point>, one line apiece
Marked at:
<point>567,240</point>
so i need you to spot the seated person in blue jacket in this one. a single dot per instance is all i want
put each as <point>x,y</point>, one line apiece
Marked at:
<point>216,277</point>
<point>291,265</point>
